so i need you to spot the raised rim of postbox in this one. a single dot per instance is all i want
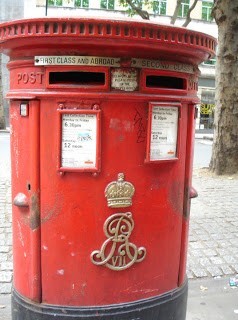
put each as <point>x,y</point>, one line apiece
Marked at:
<point>125,35</point>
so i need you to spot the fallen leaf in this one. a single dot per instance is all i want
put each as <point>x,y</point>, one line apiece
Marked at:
<point>202,288</point>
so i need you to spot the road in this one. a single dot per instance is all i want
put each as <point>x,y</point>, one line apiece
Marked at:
<point>202,154</point>
<point>5,155</point>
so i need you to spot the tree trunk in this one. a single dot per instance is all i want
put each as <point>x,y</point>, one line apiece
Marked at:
<point>188,17</point>
<point>225,146</point>
<point>176,11</point>
<point>2,118</point>
<point>136,8</point>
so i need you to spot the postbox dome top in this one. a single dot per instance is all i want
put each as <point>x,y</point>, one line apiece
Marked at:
<point>125,38</point>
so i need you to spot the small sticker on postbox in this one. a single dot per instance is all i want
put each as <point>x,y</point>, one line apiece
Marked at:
<point>24,109</point>
<point>124,79</point>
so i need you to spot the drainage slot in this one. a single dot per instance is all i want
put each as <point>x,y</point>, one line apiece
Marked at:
<point>78,78</point>
<point>165,82</point>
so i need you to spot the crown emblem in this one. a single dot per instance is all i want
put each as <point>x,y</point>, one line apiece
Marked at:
<point>119,193</point>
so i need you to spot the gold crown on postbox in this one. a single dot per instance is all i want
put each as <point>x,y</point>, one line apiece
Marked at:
<point>119,193</point>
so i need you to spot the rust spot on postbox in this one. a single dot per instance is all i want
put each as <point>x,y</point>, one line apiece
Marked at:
<point>34,221</point>
<point>175,196</point>
<point>52,213</point>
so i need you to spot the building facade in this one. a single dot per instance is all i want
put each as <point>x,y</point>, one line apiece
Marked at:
<point>10,10</point>
<point>160,11</point>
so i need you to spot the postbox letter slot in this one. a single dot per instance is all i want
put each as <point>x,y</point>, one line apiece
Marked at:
<point>154,81</point>
<point>78,78</point>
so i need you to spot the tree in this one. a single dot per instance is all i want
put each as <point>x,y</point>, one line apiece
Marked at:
<point>225,146</point>
<point>188,17</point>
<point>176,11</point>
<point>135,7</point>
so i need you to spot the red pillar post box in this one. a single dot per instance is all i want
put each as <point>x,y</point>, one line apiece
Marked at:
<point>102,122</point>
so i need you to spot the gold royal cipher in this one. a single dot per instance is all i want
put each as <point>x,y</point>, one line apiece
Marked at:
<point>117,252</point>
<point>119,193</point>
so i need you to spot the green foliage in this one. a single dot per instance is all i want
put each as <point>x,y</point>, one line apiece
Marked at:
<point>81,3</point>
<point>55,2</point>
<point>136,6</point>
<point>107,4</point>
<point>183,9</point>
<point>207,10</point>
<point>134,3</point>
<point>159,7</point>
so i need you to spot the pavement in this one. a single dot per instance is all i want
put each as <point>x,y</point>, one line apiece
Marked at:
<point>212,299</point>
<point>205,136</point>
<point>213,239</point>
<point>212,252</point>
<point>208,299</point>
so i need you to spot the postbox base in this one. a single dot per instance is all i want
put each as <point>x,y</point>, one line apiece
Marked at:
<point>171,305</point>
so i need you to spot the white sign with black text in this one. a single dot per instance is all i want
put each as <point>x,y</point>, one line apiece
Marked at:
<point>164,130</point>
<point>79,140</point>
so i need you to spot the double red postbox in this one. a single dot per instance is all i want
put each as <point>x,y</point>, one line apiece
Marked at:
<point>102,122</point>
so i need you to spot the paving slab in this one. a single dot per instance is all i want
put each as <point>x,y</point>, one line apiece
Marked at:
<point>212,299</point>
